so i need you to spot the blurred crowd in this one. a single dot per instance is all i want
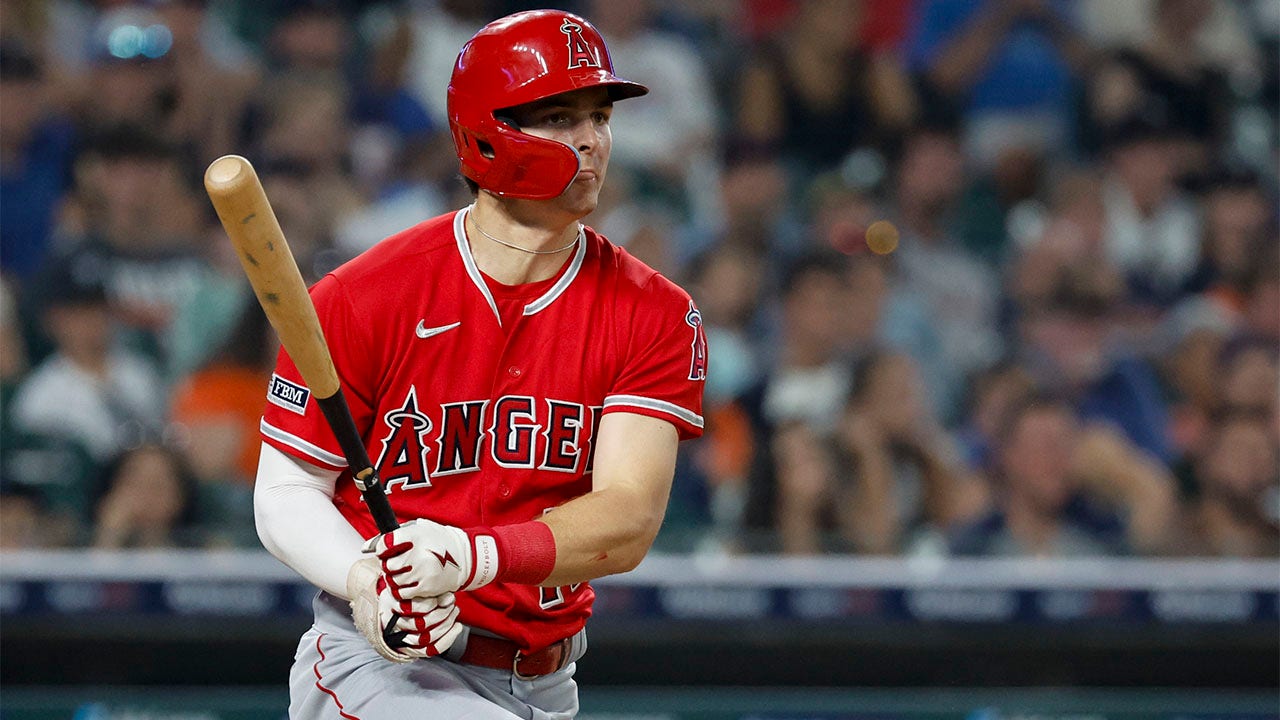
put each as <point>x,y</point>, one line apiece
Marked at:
<point>1072,351</point>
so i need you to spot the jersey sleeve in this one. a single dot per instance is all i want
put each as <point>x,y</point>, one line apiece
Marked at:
<point>665,366</point>
<point>292,421</point>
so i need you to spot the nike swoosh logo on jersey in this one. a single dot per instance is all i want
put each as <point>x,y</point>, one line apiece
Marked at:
<point>426,332</point>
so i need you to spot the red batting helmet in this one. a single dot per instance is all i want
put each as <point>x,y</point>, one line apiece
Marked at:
<point>515,60</point>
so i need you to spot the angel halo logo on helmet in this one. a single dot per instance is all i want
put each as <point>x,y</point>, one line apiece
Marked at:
<point>516,60</point>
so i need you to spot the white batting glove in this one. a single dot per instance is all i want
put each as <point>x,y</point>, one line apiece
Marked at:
<point>400,630</point>
<point>423,558</point>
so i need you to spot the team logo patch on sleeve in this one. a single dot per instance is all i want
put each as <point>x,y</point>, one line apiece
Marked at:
<point>288,395</point>
<point>698,348</point>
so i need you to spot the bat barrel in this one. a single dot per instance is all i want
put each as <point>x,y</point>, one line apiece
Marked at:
<point>246,215</point>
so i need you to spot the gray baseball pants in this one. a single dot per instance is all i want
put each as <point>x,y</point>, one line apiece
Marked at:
<point>337,675</point>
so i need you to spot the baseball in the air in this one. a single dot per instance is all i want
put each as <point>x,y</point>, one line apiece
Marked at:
<point>882,237</point>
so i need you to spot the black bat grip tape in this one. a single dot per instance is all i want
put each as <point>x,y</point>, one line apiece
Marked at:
<point>338,414</point>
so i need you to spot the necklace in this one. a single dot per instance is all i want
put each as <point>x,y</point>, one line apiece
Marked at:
<point>513,246</point>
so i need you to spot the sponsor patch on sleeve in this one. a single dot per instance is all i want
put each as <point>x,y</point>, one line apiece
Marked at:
<point>288,395</point>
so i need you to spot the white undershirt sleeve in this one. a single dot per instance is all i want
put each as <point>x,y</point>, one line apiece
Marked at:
<point>298,523</point>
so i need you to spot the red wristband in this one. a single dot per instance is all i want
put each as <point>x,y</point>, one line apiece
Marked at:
<point>526,551</point>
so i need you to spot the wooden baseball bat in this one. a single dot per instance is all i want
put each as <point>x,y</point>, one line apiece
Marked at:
<point>246,215</point>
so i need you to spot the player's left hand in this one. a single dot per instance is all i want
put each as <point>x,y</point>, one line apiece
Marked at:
<point>423,558</point>
<point>400,630</point>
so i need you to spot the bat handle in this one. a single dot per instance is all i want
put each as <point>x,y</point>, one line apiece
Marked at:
<point>338,413</point>
<point>371,486</point>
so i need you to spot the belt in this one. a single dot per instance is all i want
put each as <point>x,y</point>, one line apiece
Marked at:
<point>500,654</point>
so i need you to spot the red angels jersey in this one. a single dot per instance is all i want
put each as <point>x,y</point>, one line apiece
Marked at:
<point>479,402</point>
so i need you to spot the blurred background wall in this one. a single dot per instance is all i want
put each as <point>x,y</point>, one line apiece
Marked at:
<point>1064,370</point>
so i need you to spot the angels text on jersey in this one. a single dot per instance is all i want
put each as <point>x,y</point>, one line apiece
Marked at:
<point>517,431</point>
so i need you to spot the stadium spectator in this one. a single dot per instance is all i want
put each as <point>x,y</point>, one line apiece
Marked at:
<point>880,312</point>
<point>399,155</point>
<point>1152,227</point>
<point>90,390</point>
<point>1063,489</point>
<point>813,93</point>
<point>54,32</point>
<point>804,474</point>
<point>729,283</point>
<point>1191,340</point>
<point>401,189</point>
<point>810,374</point>
<point>796,408</point>
<point>758,212</point>
<point>1249,376</point>
<point>304,141</point>
<point>643,224</point>
<point>219,405</point>
<point>1069,242</point>
<point>36,146</point>
<point>840,207</point>
<point>1072,349</point>
<point>960,292</point>
<point>316,43</point>
<point>1171,69</point>
<point>147,501</point>
<point>135,213</point>
<point>1005,69</point>
<point>1007,66</point>
<point>213,73</point>
<point>1225,39</point>
<point>1237,227</point>
<point>128,84</point>
<point>309,37</point>
<point>1236,513</point>
<point>901,484</point>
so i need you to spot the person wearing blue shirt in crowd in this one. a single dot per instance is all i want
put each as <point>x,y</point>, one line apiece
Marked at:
<point>36,149</point>
<point>1065,488</point>
<point>1073,349</point>
<point>999,62</point>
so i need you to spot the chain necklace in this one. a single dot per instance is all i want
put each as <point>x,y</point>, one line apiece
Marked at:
<point>513,246</point>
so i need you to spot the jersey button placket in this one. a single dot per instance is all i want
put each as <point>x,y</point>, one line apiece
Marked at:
<point>502,387</point>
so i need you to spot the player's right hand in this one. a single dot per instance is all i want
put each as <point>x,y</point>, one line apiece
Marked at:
<point>422,557</point>
<point>400,630</point>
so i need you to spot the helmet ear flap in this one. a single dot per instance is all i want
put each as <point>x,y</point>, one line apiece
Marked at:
<point>473,146</point>
<point>500,158</point>
<point>527,166</point>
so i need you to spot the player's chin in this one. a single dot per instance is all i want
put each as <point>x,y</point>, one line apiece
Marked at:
<point>581,197</point>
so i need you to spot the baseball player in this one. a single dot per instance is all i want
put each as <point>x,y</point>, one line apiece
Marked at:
<point>522,384</point>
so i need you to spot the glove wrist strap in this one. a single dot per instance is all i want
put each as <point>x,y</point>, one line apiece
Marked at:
<point>524,553</point>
